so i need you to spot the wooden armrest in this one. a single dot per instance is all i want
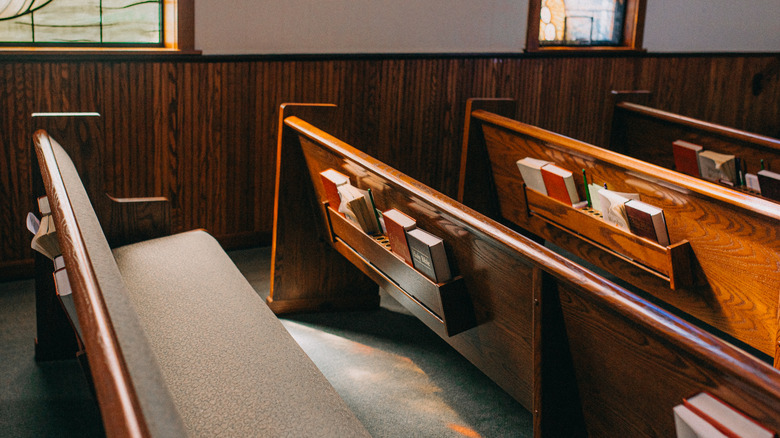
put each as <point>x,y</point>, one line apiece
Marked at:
<point>136,219</point>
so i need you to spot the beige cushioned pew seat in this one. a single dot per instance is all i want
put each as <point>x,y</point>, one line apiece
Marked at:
<point>231,367</point>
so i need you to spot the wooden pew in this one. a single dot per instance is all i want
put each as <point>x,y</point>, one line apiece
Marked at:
<point>585,356</point>
<point>647,133</point>
<point>129,219</point>
<point>723,266</point>
<point>178,342</point>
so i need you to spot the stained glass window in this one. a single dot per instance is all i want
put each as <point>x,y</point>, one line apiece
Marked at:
<point>581,22</point>
<point>81,22</point>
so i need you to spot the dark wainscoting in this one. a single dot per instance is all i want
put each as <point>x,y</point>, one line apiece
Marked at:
<point>201,130</point>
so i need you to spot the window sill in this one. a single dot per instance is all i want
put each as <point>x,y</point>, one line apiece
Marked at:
<point>67,53</point>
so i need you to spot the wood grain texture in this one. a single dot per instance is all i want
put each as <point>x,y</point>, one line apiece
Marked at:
<point>633,364</point>
<point>202,131</point>
<point>55,337</point>
<point>585,356</point>
<point>647,134</point>
<point>306,272</point>
<point>733,237</point>
<point>497,279</point>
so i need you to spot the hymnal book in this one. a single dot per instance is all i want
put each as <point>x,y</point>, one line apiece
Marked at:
<point>45,239</point>
<point>728,421</point>
<point>531,171</point>
<point>357,207</point>
<point>61,282</point>
<point>612,207</point>
<point>686,157</point>
<point>397,224</point>
<point>33,223</point>
<point>43,205</point>
<point>715,167</point>
<point>331,180</point>
<point>429,255</point>
<point>560,184</point>
<point>647,221</point>
<point>594,196</point>
<point>689,425</point>
<point>751,181</point>
<point>770,184</point>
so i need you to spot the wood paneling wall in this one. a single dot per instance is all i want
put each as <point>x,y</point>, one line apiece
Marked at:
<point>201,130</point>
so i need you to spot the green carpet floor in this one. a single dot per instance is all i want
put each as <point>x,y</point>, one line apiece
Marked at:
<point>399,378</point>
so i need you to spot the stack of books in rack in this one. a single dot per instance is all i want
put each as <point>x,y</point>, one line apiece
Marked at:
<point>550,180</point>
<point>705,416</point>
<point>418,248</point>
<point>44,234</point>
<point>355,204</point>
<point>727,169</point>
<point>623,210</point>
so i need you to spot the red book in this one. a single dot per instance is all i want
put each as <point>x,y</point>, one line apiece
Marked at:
<point>560,184</point>
<point>647,221</point>
<point>331,180</point>
<point>686,157</point>
<point>396,225</point>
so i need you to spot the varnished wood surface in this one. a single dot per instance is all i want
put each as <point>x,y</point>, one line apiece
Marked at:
<point>733,237</point>
<point>114,389</point>
<point>306,273</point>
<point>546,326</point>
<point>648,133</point>
<point>633,365</point>
<point>55,338</point>
<point>202,132</point>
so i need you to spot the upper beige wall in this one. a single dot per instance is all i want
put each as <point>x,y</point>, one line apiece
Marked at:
<point>459,26</point>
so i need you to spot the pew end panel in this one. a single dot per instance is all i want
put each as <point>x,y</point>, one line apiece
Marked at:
<point>307,274</point>
<point>479,193</point>
<point>733,237</point>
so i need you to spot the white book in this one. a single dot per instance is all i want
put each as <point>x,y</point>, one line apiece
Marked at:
<point>429,255</point>
<point>689,425</point>
<point>715,166</point>
<point>61,282</point>
<point>751,180</point>
<point>531,171</point>
<point>714,410</point>
<point>43,205</point>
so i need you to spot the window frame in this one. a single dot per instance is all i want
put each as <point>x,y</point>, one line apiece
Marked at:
<point>178,36</point>
<point>633,30</point>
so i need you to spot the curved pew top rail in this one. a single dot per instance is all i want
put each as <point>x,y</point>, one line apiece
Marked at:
<point>116,367</point>
<point>734,237</point>
<point>674,358</point>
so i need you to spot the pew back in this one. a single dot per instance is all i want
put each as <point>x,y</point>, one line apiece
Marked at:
<point>648,133</point>
<point>129,385</point>
<point>545,329</point>
<point>730,241</point>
